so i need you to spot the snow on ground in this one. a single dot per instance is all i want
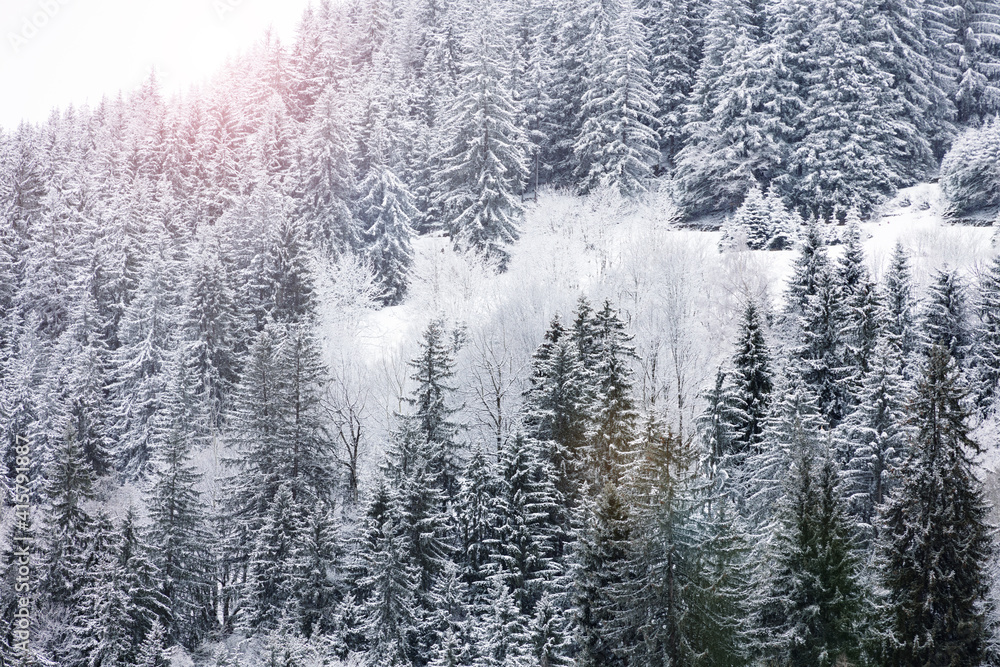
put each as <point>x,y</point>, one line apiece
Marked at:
<point>681,296</point>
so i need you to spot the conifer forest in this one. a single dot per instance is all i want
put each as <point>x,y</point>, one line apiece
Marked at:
<point>536,333</point>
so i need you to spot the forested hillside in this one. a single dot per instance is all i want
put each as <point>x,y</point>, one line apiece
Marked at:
<point>454,333</point>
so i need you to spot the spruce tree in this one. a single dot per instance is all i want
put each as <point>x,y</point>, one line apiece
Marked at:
<point>556,407</point>
<point>432,420</point>
<point>987,336</point>
<point>936,541</point>
<point>814,607</point>
<point>601,556</point>
<point>178,531</point>
<point>483,165</point>
<point>877,436</point>
<point>945,322</point>
<point>387,213</point>
<point>617,144</point>
<point>898,303</point>
<point>752,380</point>
<point>615,422</point>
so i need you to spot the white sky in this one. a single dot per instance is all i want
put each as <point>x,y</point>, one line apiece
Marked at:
<point>57,52</point>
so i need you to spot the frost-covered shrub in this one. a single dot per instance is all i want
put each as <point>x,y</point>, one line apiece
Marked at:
<point>970,172</point>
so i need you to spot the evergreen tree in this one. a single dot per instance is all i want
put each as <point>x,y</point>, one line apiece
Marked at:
<point>618,137</point>
<point>987,336</point>
<point>389,610</point>
<point>671,30</point>
<point>556,407</point>
<point>811,263</point>
<point>945,321</point>
<point>387,213</point>
<point>752,380</point>
<point>484,161</point>
<point>615,422</point>
<point>822,352</point>
<point>602,553</point>
<point>431,421</point>
<point>273,579</point>
<point>526,503</point>
<point>898,303</point>
<point>814,607</point>
<point>178,531</point>
<point>877,436</point>
<point>328,174</point>
<point>936,540</point>
<point>847,157</point>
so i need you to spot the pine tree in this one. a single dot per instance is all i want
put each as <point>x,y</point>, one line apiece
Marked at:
<point>328,174</point>
<point>809,265</point>
<point>504,640</point>
<point>210,332</point>
<point>736,125</point>
<point>484,161</point>
<point>847,158</point>
<point>944,318</point>
<point>821,353</point>
<point>274,572</point>
<point>936,540</point>
<point>752,381</point>
<point>147,335</point>
<point>288,275</point>
<point>387,213</point>
<point>901,47</point>
<point>432,421</point>
<point>987,336</point>
<point>602,552</point>
<point>877,434</point>
<point>178,530</point>
<point>618,137</point>
<point>898,303</point>
<point>526,503</point>
<point>671,31</point>
<point>556,407</point>
<point>615,421</point>
<point>389,611</point>
<point>814,606</point>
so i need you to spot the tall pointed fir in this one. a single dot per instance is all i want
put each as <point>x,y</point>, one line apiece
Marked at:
<point>147,334</point>
<point>178,532</point>
<point>898,303</point>
<point>987,336</point>
<point>601,556</point>
<point>210,333</point>
<point>813,610</point>
<point>822,349</point>
<point>876,441</point>
<point>431,421</point>
<point>328,177</point>
<point>937,543</point>
<point>484,164</point>
<point>386,212</point>
<point>615,423</point>
<point>618,141</point>
<point>848,157</point>
<point>556,408</point>
<point>741,112</point>
<point>671,29</point>
<point>752,380</point>
<point>945,317</point>
<point>527,503</point>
